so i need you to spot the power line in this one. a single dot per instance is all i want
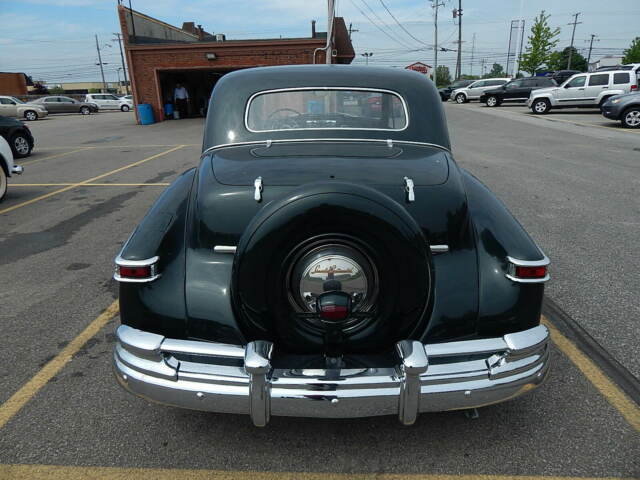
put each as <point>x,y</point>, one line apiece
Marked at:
<point>391,31</point>
<point>401,26</point>
<point>377,26</point>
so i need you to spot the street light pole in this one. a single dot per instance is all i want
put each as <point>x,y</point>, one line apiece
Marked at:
<point>124,68</point>
<point>104,83</point>
<point>366,55</point>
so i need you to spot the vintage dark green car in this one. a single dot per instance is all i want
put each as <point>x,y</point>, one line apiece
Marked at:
<point>328,258</point>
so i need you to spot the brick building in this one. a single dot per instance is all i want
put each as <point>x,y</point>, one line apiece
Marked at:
<point>160,55</point>
<point>13,83</point>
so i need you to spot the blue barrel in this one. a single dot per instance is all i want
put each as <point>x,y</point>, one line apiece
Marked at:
<point>168,109</point>
<point>145,114</point>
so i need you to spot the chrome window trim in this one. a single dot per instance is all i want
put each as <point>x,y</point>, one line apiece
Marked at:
<point>297,89</point>
<point>302,140</point>
<point>152,262</point>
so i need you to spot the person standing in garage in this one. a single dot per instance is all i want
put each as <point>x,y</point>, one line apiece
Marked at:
<point>181,97</point>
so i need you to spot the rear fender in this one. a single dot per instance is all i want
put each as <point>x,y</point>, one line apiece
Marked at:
<point>158,306</point>
<point>504,305</point>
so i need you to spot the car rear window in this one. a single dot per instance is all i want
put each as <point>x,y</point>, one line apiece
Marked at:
<point>619,78</point>
<point>602,79</point>
<point>326,109</point>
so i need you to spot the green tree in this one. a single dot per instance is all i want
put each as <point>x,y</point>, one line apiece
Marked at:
<point>443,77</point>
<point>539,45</point>
<point>497,70</point>
<point>558,60</point>
<point>56,90</point>
<point>632,54</point>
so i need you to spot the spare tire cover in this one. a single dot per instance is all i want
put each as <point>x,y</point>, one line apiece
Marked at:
<point>332,213</point>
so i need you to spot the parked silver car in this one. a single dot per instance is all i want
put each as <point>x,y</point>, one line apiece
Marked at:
<point>583,90</point>
<point>476,89</point>
<point>14,107</point>
<point>59,104</point>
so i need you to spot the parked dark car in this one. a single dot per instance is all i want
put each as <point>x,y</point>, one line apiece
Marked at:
<point>445,92</point>
<point>17,135</point>
<point>560,76</point>
<point>625,108</point>
<point>327,260</point>
<point>516,91</point>
<point>59,104</point>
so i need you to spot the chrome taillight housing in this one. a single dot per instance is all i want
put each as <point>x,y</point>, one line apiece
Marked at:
<point>136,271</point>
<point>528,271</point>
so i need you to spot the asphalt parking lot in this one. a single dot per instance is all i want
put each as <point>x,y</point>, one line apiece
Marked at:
<point>573,184</point>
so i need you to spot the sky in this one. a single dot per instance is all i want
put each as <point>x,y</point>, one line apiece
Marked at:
<point>54,40</point>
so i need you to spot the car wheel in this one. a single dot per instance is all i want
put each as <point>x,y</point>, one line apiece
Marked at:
<point>541,106</point>
<point>3,183</point>
<point>460,98</point>
<point>492,101</point>
<point>20,146</point>
<point>631,117</point>
<point>30,115</point>
<point>85,111</point>
<point>125,108</point>
<point>602,102</point>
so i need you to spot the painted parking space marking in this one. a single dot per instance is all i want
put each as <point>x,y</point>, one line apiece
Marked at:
<point>127,146</point>
<point>614,395</point>
<point>89,180</point>
<point>55,472</point>
<point>612,128</point>
<point>91,184</point>
<point>19,399</point>
<point>57,155</point>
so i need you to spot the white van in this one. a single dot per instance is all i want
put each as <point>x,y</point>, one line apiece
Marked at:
<point>583,90</point>
<point>107,101</point>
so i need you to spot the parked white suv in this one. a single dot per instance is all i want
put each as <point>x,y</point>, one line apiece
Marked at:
<point>583,90</point>
<point>475,90</point>
<point>107,101</point>
<point>7,167</point>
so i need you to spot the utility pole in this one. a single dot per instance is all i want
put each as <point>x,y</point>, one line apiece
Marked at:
<point>473,49</point>
<point>593,37</point>
<point>352,30</point>
<point>366,55</point>
<point>573,34</point>
<point>329,52</point>
<point>482,67</point>
<point>435,6</point>
<point>104,84</point>
<point>124,68</point>
<point>458,13</point>
<point>520,55</point>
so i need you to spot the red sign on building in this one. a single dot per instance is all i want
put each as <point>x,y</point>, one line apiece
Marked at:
<point>419,67</point>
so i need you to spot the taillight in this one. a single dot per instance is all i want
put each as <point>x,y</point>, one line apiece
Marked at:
<point>634,87</point>
<point>531,272</point>
<point>136,270</point>
<point>528,271</point>
<point>334,306</point>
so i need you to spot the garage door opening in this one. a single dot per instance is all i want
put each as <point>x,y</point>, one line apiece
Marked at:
<point>198,84</point>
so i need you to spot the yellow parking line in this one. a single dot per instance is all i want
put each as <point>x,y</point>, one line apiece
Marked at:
<point>127,146</point>
<point>58,155</point>
<point>90,184</point>
<point>90,180</point>
<point>18,400</point>
<point>616,397</point>
<point>55,472</point>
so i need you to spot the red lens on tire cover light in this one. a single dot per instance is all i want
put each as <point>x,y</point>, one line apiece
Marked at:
<point>135,272</point>
<point>531,272</point>
<point>334,312</point>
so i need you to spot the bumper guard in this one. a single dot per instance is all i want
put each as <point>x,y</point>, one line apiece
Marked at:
<point>427,378</point>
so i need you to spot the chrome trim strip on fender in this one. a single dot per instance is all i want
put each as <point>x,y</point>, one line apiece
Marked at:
<point>439,248</point>
<point>224,249</point>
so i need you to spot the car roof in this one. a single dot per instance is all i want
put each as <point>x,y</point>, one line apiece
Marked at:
<point>232,92</point>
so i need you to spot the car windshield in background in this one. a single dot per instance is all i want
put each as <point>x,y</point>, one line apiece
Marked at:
<point>322,109</point>
<point>17,100</point>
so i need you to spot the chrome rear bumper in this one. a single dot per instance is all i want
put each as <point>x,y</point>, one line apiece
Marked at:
<point>427,378</point>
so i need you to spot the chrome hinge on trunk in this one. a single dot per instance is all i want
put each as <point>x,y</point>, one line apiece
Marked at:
<point>408,186</point>
<point>257,194</point>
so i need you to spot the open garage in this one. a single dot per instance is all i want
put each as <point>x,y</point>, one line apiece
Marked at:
<point>161,56</point>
